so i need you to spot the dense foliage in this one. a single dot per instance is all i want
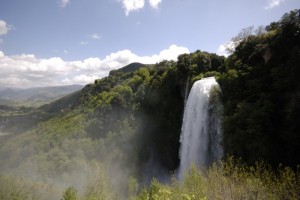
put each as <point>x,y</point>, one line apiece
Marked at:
<point>111,138</point>
<point>229,180</point>
<point>261,95</point>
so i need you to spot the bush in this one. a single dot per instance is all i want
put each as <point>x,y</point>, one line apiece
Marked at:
<point>230,179</point>
<point>70,194</point>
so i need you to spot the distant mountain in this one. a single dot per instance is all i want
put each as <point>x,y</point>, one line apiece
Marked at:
<point>35,96</point>
<point>129,68</point>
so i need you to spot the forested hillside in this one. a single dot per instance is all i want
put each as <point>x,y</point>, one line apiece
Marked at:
<point>110,139</point>
<point>261,95</point>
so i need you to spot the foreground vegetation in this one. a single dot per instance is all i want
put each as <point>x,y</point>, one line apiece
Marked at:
<point>230,179</point>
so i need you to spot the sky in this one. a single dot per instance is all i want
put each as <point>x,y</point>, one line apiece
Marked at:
<point>63,42</point>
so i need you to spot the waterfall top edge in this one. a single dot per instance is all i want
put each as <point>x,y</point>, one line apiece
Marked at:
<point>209,81</point>
<point>208,78</point>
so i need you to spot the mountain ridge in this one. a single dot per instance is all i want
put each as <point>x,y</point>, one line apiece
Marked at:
<point>36,96</point>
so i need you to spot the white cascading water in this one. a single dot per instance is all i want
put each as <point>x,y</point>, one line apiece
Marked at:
<point>200,132</point>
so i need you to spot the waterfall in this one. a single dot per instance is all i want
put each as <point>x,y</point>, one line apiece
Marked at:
<point>200,132</point>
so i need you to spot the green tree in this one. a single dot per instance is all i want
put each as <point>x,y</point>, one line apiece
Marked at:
<point>70,194</point>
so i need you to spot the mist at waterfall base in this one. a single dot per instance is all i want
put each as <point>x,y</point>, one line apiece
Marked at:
<point>201,132</point>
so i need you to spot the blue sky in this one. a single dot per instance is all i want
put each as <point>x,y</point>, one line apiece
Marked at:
<point>58,42</point>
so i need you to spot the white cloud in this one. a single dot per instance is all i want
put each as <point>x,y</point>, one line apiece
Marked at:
<point>154,3</point>
<point>64,3</point>
<point>83,43</point>
<point>95,36</point>
<point>222,50</point>
<point>56,51</point>
<point>172,53</point>
<point>132,5</point>
<point>227,48</point>
<point>84,78</point>
<point>273,3</point>
<point>26,70</point>
<point>4,27</point>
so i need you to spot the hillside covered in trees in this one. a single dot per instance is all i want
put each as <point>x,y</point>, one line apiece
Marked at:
<point>110,139</point>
